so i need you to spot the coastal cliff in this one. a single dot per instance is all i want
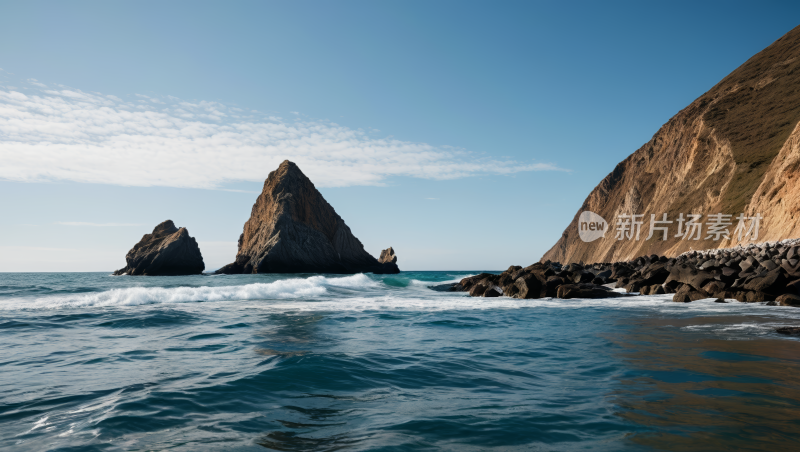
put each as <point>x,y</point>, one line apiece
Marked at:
<point>734,150</point>
<point>292,229</point>
<point>167,251</point>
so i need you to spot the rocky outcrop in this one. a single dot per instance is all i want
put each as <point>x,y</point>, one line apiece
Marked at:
<point>539,280</point>
<point>736,149</point>
<point>388,256</point>
<point>292,229</point>
<point>167,251</point>
<point>766,272</point>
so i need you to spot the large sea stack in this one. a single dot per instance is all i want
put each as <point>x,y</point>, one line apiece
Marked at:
<point>168,251</point>
<point>292,229</point>
<point>736,149</point>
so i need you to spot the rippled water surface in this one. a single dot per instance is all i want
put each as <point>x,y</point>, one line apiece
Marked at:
<point>302,362</point>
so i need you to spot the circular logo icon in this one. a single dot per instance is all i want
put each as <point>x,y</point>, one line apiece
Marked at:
<point>591,226</point>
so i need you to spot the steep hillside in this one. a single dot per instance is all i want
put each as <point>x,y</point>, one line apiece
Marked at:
<point>736,149</point>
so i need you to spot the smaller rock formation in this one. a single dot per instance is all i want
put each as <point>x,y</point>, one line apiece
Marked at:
<point>388,256</point>
<point>388,262</point>
<point>168,251</point>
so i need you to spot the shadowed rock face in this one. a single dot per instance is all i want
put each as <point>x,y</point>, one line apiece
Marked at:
<point>168,251</point>
<point>736,149</point>
<point>292,229</point>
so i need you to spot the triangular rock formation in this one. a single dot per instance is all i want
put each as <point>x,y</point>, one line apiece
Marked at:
<point>168,251</point>
<point>734,150</point>
<point>292,229</point>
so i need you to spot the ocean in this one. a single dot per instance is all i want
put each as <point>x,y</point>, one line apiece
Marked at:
<point>93,362</point>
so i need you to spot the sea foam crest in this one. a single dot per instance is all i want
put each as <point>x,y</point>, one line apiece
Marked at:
<point>311,287</point>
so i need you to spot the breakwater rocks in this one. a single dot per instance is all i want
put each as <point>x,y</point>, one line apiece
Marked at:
<point>767,272</point>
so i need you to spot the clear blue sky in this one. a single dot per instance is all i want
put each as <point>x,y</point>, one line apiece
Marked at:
<point>464,134</point>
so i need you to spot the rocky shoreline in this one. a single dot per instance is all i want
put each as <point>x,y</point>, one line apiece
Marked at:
<point>767,272</point>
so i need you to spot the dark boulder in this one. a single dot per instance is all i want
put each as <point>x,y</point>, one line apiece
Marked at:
<point>655,273</point>
<point>687,294</point>
<point>449,287</point>
<point>788,330</point>
<point>510,290</point>
<point>788,300</point>
<point>757,297</point>
<point>167,251</point>
<point>551,286</point>
<point>528,286</point>
<point>793,287</point>
<point>633,286</point>
<point>469,282</point>
<point>772,282</point>
<point>477,290</point>
<point>568,291</point>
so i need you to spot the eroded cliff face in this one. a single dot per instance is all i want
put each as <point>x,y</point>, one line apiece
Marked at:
<point>292,229</point>
<point>733,150</point>
<point>777,198</point>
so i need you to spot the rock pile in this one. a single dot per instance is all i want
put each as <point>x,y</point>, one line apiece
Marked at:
<point>756,273</point>
<point>764,272</point>
<point>549,279</point>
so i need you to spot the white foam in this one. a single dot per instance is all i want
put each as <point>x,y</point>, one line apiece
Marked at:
<point>311,287</point>
<point>362,293</point>
<point>453,302</point>
<point>417,282</point>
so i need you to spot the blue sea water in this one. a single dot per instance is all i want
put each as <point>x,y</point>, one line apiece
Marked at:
<point>93,362</point>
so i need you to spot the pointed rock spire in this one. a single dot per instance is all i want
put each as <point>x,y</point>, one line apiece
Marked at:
<point>292,229</point>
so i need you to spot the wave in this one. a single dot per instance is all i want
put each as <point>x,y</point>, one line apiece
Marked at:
<point>418,282</point>
<point>362,293</point>
<point>311,287</point>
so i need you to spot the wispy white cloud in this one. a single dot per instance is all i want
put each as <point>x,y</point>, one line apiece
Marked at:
<point>97,225</point>
<point>35,82</point>
<point>68,134</point>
